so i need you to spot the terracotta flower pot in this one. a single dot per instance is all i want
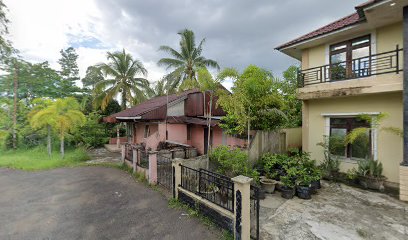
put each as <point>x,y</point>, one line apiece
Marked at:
<point>268,185</point>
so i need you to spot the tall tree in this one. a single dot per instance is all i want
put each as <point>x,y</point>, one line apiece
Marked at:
<point>292,106</point>
<point>255,102</point>
<point>63,115</point>
<point>185,62</point>
<point>5,45</point>
<point>69,71</point>
<point>92,77</point>
<point>121,80</point>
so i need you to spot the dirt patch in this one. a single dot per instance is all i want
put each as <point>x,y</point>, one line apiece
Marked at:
<point>101,155</point>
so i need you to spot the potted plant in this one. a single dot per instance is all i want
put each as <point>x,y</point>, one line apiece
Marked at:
<point>370,174</point>
<point>288,187</point>
<point>316,176</point>
<point>268,183</point>
<point>303,188</point>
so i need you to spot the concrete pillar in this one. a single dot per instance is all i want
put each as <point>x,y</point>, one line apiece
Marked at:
<point>242,184</point>
<point>177,174</point>
<point>117,137</point>
<point>403,176</point>
<point>153,168</point>
<point>134,159</point>
<point>123,153</point>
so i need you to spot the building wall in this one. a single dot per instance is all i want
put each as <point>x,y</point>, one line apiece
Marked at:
<point>389,145</point>
<point>197,138</point>
<point>177,133</point>
<point>176,109</point>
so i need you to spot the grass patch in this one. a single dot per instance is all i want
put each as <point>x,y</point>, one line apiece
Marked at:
<point>38,159</point>
<point>193,212</point>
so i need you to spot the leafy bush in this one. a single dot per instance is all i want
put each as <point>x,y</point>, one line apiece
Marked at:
<point>330,165</point>
<point>232,162</point>
<point>92,133</point>
<point>370,168</point>
<point>8,141</point>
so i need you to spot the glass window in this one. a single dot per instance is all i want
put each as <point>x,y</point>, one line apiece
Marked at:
<point>350,59</point>
<point>147,131</point>
<point>339,128</point>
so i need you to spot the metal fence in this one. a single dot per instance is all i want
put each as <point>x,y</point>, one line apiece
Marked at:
<point>144,159</point>
<point>128,152</point>
<point>375,64</point>
<point>254,212</point>
<point>164,171</point>
<point>214,187</point>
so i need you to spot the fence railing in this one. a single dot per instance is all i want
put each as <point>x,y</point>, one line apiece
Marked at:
<point>164,171</point>
<point>214,187</point>
<point>375,64</point>
<point>128,152</point>
<point>255,205</point>
<point>144,159</point>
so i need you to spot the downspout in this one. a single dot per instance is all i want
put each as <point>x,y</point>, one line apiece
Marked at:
<point>405,87</point>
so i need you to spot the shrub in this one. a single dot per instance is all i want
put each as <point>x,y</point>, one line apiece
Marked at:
<point>370,168</point>
<point>92,133</point>
<point>232,162</point>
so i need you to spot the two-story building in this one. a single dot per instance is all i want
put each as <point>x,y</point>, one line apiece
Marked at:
<point>355,67</point>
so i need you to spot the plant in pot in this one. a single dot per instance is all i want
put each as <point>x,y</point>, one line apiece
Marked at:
<point>315,176</point>
<point>370,174</point>
<point>268,183</point>
<point>331,165</point>
<point>303,186</point>
<point>288,183</point>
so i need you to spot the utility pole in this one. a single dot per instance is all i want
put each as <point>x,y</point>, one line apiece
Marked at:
<point>15,106</point>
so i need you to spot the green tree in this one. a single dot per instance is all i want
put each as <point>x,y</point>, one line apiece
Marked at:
<point>39,120</point>
<point>121,73</point>
<point>92,77</point>
<point>69,71</point>
<point>187,61</point>
<point>292,106</point>
<point>255,102</point>
<point>5,45</point>
<point>63,115</point>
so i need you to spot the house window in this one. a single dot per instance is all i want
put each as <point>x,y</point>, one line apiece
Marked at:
<point>147,131</point>
<point>339,128</point>
<point>350,59</point>
<point>189,128</point>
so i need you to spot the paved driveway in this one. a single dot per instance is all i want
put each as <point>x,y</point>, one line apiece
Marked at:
<point>88,203</point>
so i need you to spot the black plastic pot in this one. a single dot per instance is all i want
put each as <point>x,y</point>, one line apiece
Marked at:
<point>315,185</point>
<point>304,192</point>
<point>261,193</point>
<point>287,192</point>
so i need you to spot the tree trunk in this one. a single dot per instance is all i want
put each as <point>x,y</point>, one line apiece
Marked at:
<point>15,107</point>
<point>209,131</point>
<point>249,129</point>
<point>62,150</point>
<point>49,140</point>
<point>117,137</point>
<point>123,100</point>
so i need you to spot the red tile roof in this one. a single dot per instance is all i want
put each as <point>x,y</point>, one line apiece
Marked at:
<point>148,106</point>
<point>334,26</point>
<point>337,25</point>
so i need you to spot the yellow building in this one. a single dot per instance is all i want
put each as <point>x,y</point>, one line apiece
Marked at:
<point>351,68</point>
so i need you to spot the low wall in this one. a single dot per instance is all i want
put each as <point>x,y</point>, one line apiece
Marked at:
<point>279,141</point>
<point>219,216</point>
<point>121,140</point>
<point>196,163</point>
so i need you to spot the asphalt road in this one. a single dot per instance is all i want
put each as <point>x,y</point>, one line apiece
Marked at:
<point>89,203</point>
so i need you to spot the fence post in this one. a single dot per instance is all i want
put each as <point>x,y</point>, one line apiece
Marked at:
<point>175,163</point>
<point>134,159</point>
<point>153,167</point>
<point>123,153</point>
<point>242,205</point>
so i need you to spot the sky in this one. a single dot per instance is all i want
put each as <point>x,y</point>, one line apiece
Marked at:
<point>237,32</point>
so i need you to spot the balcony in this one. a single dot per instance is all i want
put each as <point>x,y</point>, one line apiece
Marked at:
<point>375,64</point>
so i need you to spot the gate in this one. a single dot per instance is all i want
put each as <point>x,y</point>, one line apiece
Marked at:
<point>164,171</point>
<point>254,212</point>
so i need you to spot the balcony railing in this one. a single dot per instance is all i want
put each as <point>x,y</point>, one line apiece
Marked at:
<point>375,64</point>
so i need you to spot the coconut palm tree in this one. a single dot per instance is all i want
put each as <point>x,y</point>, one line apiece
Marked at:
<point>121,79</point>
<point>63,115</point>
<point>187,61</point>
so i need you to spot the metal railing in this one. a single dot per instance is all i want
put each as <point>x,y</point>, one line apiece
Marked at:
<point>214,187</point>
<point>144,158</point>
<point>375,64</point>
<point>255,205</point>
<point>128,152</point>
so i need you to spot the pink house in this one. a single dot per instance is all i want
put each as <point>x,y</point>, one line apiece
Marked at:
<point>178,119</point>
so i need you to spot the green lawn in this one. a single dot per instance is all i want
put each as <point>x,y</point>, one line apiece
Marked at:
<point>37,159</point>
